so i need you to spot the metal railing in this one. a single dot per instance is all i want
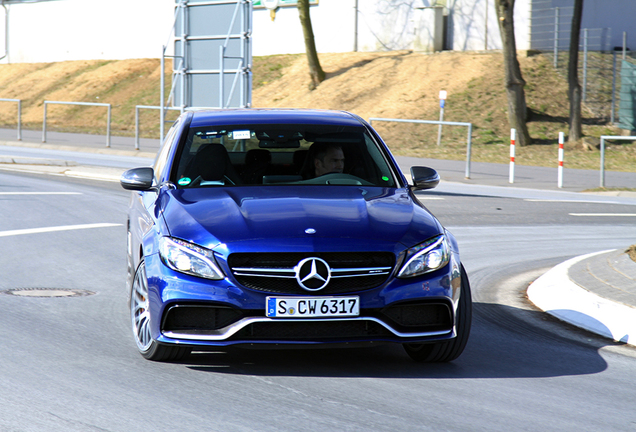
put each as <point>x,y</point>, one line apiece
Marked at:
<point>438,122</point>
<point>83,104</point>
<point>607,137</point>
<point>138,107</point>
<point>19,101</point>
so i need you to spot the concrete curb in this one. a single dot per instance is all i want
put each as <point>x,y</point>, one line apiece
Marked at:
<point>14,160</point>
<point>91,173</point>
<point>557,295</point>
<point>81,149</point>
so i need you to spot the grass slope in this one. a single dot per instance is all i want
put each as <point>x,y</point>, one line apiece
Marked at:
<point>389,85</point>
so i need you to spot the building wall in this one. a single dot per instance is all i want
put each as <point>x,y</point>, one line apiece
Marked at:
<point>619,15</point>
<point>62,30</point>
<point>59,30</point>
<point>473,25</point>
<point>332,23</point>
<point>382,25</point>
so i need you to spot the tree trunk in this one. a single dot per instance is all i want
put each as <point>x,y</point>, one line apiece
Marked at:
<point>574,87</point>
<point>316,73</point>
<point>517,110</point>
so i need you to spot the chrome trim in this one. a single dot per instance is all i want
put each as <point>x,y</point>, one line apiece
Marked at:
<point>265,275</point>
<point>228,331</point>
<point>384,273</point>
<point>282,273</point>
<point>361,269</point>
<point>261,269</point>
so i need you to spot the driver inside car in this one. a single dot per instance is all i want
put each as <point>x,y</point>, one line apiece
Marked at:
<point>327,158</point>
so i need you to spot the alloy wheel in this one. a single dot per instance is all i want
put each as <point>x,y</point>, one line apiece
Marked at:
<point>139,313</point>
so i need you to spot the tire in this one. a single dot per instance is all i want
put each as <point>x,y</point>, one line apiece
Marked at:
<point>449,350</point>
<point>149,348</point>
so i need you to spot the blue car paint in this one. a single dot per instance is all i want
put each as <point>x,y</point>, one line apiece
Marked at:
<point>257,213</point>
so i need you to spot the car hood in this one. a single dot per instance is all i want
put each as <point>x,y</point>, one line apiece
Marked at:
<point>297,217</point>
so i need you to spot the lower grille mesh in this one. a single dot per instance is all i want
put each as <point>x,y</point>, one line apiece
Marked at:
<point>323,331</point>
<point>421,316</point>
<point>198,317</point>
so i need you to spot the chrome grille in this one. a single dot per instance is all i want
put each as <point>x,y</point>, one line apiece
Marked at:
<point>274,273</point>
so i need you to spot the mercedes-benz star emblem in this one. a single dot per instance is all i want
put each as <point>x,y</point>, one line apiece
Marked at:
<point>312,274</point>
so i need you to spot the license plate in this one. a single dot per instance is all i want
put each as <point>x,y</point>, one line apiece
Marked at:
<point>308,307</point>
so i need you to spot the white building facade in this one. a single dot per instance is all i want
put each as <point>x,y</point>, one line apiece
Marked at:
<point>61,30</point>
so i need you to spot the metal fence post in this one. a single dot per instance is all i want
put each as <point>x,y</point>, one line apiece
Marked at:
<point>469,149</point>
<point>511,174</point>
<point>613,108</point>
<point>108,126</point>
<point>44,125</point>
<point>221,75</point>
<point>137,126</point>
<point>19,120</point>
<point>585,34</point>
<point>442,102</point>
<point>560,160</point>
<point>556,38</point>
<point>602,161</point>
<point>162,94</point>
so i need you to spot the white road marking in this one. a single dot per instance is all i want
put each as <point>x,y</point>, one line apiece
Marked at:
<point>573,201</point>
<point>604,214</point>
<point>40,193</point>
<point>53,229</point>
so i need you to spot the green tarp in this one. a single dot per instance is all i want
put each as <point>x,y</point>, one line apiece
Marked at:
<point>627,109</point>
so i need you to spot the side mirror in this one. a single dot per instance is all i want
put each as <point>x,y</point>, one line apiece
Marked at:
<point>139,179</point>
<point>424,177</point>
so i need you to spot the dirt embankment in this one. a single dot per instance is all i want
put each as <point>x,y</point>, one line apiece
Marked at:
<point>403,85</point>
<point>392,84</point>
<point>123,84</point>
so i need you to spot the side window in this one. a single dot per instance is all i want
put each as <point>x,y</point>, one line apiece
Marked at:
<point>162,157</point>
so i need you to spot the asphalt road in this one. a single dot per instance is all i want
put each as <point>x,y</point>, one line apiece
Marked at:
<point>70,364</point>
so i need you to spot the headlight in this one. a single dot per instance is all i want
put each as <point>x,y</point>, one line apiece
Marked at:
<point>189,258</point>
<point>426,257</point>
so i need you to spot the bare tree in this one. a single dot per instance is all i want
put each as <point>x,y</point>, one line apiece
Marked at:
<point>574,87</point>
<point>517,109</point>
<point>316,73</point>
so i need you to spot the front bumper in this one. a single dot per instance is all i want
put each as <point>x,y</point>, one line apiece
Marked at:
<point>193,311</point>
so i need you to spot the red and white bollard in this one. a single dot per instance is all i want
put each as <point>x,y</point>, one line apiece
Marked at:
<point>560,170</point>
<point>511,179</point>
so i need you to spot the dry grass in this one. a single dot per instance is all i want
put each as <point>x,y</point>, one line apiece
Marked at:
<point>401,85</point>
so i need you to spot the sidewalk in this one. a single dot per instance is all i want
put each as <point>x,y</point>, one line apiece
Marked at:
<point>596,292</point>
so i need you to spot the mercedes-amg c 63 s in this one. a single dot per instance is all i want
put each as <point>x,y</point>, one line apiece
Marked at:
<point>288,227</point>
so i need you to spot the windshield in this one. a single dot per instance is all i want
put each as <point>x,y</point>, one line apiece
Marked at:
<point>281,155</point>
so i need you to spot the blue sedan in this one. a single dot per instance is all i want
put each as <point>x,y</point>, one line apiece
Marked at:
<point>288,227</point>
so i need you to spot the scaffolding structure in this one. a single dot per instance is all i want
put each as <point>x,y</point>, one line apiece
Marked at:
<point>212,60</point>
